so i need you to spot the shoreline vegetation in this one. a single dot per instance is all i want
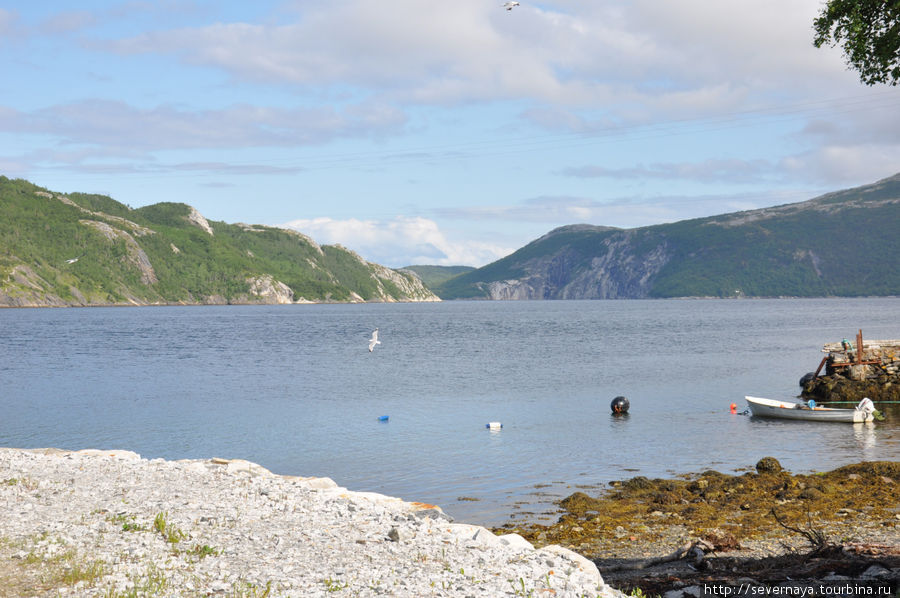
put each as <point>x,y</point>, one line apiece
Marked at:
<point>82,523</point>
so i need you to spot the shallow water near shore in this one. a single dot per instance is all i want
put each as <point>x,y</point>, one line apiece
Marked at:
<point>295,389</point>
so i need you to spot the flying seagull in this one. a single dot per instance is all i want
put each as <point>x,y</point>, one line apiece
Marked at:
<point>374,341</point>
<point>510,5</point>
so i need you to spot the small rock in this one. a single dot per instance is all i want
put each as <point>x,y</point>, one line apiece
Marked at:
<point>515,540</point>
<point>768,465</point>
<point>875,572</point>
<point>812,494</point>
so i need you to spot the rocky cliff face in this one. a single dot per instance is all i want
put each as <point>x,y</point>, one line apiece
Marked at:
<point>833,245</point>
<point>616,269</point>
<point>410,286</point>
<point>268,290</point>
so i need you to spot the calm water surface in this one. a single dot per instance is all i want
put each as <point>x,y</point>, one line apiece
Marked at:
<point>295,389</point>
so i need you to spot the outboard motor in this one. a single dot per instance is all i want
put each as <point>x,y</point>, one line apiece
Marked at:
<point>619,406</point>
<point>868,408</point>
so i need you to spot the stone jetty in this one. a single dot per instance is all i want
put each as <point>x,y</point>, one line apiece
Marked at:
<point>111,524</point>
<point>854,370</point>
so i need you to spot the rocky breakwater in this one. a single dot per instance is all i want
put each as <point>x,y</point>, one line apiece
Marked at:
<point>108,523</point>
<point>856,370</point>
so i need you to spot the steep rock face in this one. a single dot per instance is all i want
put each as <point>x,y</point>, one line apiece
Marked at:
<point>197,219</point>
<point>622,272</point>
<point>618,270</point>
<point>833,245</point>
<point>268,290</point>
<point>136,256</point>
<point>409,285</point>
<point>25,288</point>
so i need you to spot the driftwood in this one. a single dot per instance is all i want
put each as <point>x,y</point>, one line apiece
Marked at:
<point>849,560</point>
<point>816,538</point>
<point>693,551</point>
<point>870,549</point>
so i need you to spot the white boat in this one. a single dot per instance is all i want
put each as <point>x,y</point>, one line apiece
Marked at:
<point>864,412</point>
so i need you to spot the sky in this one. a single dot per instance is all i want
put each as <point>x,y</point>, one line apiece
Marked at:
<point>424,132</point>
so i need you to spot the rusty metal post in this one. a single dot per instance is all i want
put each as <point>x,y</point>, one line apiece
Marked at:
<point>819,369</point>
<point>859,348</point>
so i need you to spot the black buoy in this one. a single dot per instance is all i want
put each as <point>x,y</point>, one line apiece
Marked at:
<point>619,405</point>
<point>807,378</point>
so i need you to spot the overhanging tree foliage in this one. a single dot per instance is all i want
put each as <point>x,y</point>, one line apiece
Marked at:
<point>869,33</point>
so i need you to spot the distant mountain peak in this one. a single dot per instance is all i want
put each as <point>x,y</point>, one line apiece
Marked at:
<point>579,228</point>
<point>838,244</point>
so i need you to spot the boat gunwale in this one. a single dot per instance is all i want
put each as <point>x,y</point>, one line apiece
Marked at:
<point>774,408</point>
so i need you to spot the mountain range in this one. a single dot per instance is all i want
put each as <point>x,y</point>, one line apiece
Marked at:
<point>83,249</point>
<point>844,244</point>
<point>79,249</point>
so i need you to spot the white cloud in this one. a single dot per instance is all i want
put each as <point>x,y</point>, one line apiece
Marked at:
<point>581,67</point>
<point>625,211</point>
<point>402,241</point>
<point>835,164</point>
<point>731,170</point>
<point>471,50</point>
<point>842,166</point>
<point>108,123</point>
<point>565,79</point>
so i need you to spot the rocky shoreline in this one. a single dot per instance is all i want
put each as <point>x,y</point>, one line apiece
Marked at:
<point>763,528</point>
<point>108,523</point>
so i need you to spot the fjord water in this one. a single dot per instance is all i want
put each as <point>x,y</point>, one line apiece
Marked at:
<point>295,389</point>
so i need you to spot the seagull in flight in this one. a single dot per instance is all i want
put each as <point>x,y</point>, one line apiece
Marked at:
<point>374,341</point>
<point>510,5</point>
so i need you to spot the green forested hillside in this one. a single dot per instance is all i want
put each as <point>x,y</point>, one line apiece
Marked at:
<point>841,244</point>
<point>435,275</point>
<point>81,249</point>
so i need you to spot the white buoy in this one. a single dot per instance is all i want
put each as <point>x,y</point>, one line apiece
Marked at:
<point>493,425</point>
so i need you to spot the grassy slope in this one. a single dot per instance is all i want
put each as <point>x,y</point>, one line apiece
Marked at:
<point>41,233</point>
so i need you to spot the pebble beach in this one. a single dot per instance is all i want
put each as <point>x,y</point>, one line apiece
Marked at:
<point>109,523</point>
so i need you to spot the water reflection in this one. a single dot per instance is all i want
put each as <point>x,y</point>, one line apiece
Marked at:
<point>865,434</point>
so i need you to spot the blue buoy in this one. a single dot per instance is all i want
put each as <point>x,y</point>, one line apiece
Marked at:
<point>383,418</point>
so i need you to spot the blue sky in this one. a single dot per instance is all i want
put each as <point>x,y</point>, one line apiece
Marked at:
<point>437,132</point>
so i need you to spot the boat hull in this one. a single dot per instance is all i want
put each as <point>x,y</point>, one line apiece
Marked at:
<point>761,407</point>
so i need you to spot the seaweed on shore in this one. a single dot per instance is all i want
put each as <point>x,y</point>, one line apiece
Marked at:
<point>644,517</point>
